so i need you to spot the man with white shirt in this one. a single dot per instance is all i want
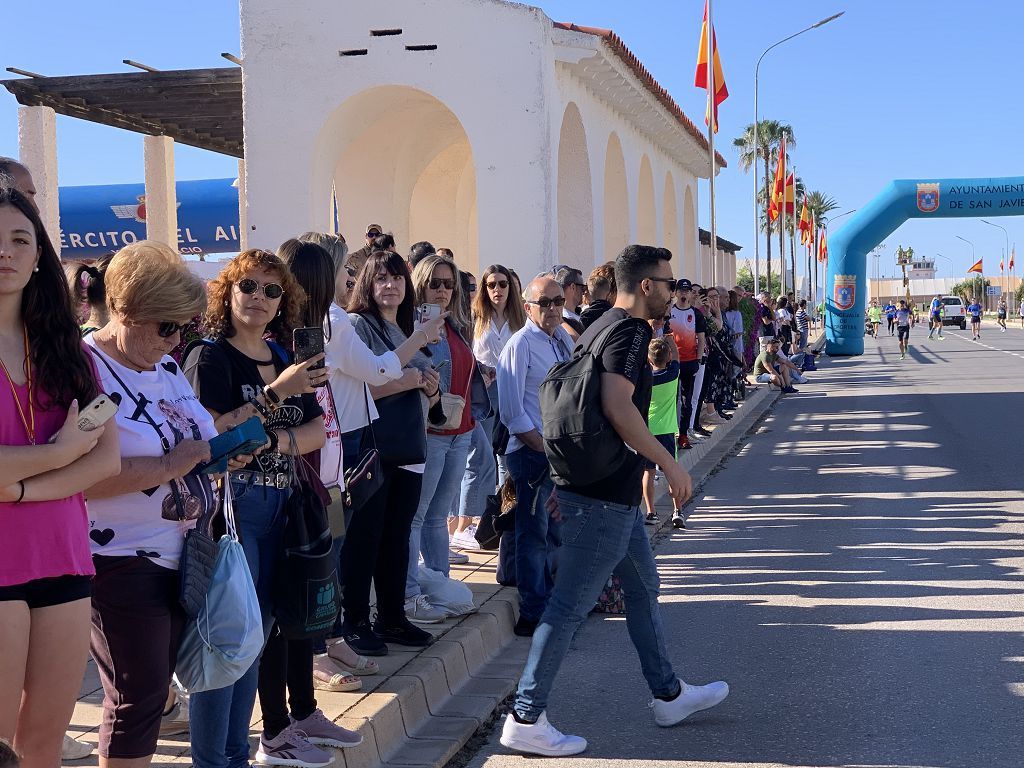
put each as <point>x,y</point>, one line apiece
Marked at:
<point>522,366</point>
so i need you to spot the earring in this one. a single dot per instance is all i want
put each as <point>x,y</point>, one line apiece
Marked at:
<point>278,313</point>
<point>36,269</point>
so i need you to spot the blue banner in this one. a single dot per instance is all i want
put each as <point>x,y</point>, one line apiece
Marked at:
<point>97,220</point>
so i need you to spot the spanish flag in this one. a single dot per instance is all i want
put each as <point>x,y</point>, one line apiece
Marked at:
<point>701,77</point>
<point>977,268</point>
<point>1012,252</point>
<point>823,248</point>
<point>778,187</point>
<point>805,225</point>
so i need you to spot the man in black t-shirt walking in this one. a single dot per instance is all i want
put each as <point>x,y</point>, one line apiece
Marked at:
<point>603,527</point>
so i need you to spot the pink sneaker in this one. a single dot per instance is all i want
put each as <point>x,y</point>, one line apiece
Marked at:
<point>319,730</point>
<point>291,747</point>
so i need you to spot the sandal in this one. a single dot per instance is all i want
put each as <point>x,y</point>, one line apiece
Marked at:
<point>362,667</point>
<point>327,678</point>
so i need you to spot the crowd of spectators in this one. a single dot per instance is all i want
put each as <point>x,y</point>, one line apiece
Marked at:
<point>437,374</point>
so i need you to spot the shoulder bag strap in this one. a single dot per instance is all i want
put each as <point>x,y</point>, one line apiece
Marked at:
<point>127,390</point>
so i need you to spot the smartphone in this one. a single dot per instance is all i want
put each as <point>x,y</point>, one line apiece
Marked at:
<point>96,413</point>
<point>308,343</point>
<point>429,312</point>
<point>240,439</point>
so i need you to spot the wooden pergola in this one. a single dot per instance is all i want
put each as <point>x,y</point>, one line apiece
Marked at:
<point>198,107</point>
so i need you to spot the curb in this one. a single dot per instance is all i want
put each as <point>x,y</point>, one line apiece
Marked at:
<point>431,706</point>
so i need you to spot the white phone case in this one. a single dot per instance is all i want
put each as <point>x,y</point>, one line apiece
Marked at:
<point>96,413</point>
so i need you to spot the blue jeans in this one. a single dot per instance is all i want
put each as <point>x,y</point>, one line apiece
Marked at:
<point>481,476</point>
<point>598,538</point>
<point>219,720</point>
<point>536,533</point>
<point>442,478</point>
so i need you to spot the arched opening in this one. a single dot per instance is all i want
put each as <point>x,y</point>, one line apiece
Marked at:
<point>575,197</point>
<point>616,200</point>
<point>399,157</point>
<point>670,225</point>
<point>646,218</point>
<point>689,236</point>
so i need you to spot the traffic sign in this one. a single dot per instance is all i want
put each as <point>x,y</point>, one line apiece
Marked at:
<point>993,290</point>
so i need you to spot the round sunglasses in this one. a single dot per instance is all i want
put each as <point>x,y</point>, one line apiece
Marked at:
<point>436,283</point>
<point>167,329</point>
<point>248,286</point>
<point>492,284</point>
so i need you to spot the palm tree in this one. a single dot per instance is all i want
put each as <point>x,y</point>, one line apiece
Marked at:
<point>764,147</point>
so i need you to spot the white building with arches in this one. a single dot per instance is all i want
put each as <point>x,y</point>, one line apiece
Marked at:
<point>479,125</point>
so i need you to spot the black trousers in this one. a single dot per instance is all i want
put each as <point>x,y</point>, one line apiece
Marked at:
<point>285,664</point>
<point>687,376</point>
<point>376,549</point>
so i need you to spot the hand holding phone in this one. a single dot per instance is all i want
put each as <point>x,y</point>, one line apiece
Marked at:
<point>96,413</point>
<point>429,312</point>
<point>241,439</point>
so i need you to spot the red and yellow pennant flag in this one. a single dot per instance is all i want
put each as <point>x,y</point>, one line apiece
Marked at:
<point>823,248</point>
<point>790,195</point>
<point>977,268</point>
<point>778,187</point>
<point>1000,265</point>
<point>1012,252</point>
<point>701,77</point>
<point>805,225</point>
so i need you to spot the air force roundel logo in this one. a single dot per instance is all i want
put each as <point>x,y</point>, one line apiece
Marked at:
<point>928,197</point>
<point>844,291</point>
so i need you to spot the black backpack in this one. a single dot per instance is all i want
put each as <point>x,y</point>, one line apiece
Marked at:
<point>581,445</point>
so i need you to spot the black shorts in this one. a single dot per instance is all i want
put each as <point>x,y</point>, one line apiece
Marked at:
<point>903,332</point>
<point>42,593</point>
<point>936,317</point>
<point>668,442</point>
<point>975,320</point>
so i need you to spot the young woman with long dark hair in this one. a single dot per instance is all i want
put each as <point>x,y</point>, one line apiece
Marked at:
<point>45,563</point>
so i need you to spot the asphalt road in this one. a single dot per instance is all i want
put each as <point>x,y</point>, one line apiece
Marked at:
<point>856,574</point>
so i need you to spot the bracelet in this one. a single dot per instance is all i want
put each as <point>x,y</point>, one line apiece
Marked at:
<point>21,484</point>
<point>275,441</point>
<point>426,338</point>
<point>432,394</point>
<point>273,399</point>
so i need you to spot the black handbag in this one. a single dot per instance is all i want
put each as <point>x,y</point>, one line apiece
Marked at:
<point>400,420</point>
<point>486,535</point>
<point>307,596</point>
<point>365,478</point>
<point>198,557</point>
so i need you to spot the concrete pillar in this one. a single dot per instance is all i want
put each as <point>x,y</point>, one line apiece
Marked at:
<point>243,210</point>
<point>161,198</point>
<point>37,148</point>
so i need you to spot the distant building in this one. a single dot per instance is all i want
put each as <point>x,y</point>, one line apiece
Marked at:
<point>922,269</point>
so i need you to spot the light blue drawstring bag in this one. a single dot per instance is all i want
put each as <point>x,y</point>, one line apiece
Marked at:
<point>226,638</point>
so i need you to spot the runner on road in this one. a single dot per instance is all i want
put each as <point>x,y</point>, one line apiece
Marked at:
<point>1020,311</point>
<point>935,316</point>
<point>890,316</point>
<point>1001,315</point>
<point>975,310</point>
<point>875,317</point>
<point>903,328</point>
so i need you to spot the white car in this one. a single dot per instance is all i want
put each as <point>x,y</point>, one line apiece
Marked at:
<point>955,313</point>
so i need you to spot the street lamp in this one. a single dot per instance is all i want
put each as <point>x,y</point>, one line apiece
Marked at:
<point>973,259</point>
<point>950,262</point>
<point>757,143</point>
<point>1006,253</point>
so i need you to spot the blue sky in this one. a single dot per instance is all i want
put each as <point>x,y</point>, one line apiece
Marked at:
<point>893,89</point>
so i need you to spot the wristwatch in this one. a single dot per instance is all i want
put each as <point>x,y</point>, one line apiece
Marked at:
<point>272,397</point>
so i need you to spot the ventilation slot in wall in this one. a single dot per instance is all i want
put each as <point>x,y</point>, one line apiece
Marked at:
<point>421,47</point>
<point>385,32</point>
<point>354,52</point>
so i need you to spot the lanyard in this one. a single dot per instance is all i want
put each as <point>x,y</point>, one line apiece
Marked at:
<point>28,423</point>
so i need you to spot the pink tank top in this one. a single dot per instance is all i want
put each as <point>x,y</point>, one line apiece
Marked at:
<point>41,539</point>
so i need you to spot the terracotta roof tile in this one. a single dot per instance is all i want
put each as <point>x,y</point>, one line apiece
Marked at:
<point>622,51</point>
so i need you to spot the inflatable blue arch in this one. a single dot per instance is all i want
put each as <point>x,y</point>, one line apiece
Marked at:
<point>902,199</point>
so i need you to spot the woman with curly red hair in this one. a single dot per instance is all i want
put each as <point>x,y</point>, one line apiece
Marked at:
<point>253,304</point>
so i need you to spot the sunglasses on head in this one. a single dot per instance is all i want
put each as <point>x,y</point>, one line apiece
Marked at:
<point>248,286</point>
<point>167,329</point>
<point>436,283</point>
<point>503,284</point>
<point>547,303</point>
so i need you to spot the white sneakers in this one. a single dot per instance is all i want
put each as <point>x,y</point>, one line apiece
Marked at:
<point>540,738</point>
<point>419,610</point>
<point>466,539</point>
<point>693,698</point>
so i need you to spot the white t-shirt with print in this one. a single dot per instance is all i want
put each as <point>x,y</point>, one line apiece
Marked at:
<point>133,524</point>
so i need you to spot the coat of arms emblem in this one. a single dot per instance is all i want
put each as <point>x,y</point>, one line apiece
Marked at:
<point>928,197</point>
<point>844,292</point>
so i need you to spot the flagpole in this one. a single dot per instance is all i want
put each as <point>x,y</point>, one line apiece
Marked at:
<point>712,125</point>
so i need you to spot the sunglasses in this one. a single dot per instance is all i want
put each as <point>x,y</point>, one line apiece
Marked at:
<point>436,283</point>
<point>546,303</point>
<point>492,284</point>
<point>248,286</point>
<point>167,329</point>
<point>373,233</point>
<point>671,281</point>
